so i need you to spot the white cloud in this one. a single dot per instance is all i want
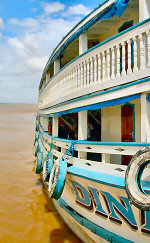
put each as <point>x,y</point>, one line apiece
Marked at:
<point>78,9</point>
<point>1,24</point>
<point>52,7</point>
<point>1,35</point>
<point>24,55</point>
<point>15,43</point>
<point>28,22</point>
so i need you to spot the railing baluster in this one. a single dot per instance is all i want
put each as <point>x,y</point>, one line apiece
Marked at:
<point>88,72</point>
<point>85,73</point>
<point>129,56</point>
<point>148,48</point>
<point>79,76</point>
<point>99,68</point>
<point>91,71</point>
<point>123,59</point>
<point>118,60</point>
<point>108,64</point>
<point>103,67</point>
<point>113,63</point>
<point>135,54</point>
<point>82,75</point>
<point>95,69</point>
<point>142,58</point>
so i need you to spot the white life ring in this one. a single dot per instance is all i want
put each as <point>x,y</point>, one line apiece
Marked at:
<point>133,177</point>
<point>57,178</point>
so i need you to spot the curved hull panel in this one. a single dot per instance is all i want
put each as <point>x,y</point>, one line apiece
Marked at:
<point>98,212</point>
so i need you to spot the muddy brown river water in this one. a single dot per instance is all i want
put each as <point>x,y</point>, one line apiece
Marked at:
<point>25,213</point>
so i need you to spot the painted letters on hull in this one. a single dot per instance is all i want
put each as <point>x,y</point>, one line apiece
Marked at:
<point>89,199</point>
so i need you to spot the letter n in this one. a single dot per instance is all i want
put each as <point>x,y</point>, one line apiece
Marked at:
<point>123,209</point>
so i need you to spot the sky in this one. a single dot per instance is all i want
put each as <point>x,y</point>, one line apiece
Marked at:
<point>29,31</point>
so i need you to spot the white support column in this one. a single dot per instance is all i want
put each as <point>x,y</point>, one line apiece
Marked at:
<point>82,131</point>
<point>55,127</point>
<point>56,66</point>
<point>144,10</point>
<point>105,158</point>
<point>44,122</point>
<point>47,77</point>
<point>83,43</point>
<point>145,119</point>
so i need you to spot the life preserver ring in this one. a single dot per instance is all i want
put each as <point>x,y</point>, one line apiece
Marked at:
<point>47,166</point>
<point>133,178</point>
<point>38,166</point>
<point>36,148</point>
<point>37,135</point>
<point>37,126</point>
<point>57,178</point>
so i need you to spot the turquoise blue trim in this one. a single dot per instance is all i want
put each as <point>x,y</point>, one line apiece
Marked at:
<point>97,106</point>
<point>148,97</point>
<point>116,8</point>
<point>125,23</point>
<point>48,63</point>
<point>103,233</point>
<point>105,179</point>
<point>97,143</point>
<point>100,44</point>
<point>100,93</point>
<point>133,105</point>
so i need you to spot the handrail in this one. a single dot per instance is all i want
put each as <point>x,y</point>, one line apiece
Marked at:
<point>96,46</point>
<point>96,142</point>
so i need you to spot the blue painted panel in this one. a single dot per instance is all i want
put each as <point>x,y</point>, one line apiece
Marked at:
<point>98,105</point>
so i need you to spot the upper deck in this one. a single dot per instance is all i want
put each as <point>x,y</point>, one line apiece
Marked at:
<point>107,49</point>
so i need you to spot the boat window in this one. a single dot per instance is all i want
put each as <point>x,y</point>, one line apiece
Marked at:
<point>68,126</point>
<point>50,126</point>
<point>94,125</point>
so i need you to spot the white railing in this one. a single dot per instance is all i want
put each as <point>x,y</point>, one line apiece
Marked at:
<point>126,55</point>
<point>105,148</point>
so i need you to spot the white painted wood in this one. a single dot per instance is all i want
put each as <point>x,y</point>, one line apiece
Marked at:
<point>99,68</point>
<point>141,62</point>
<point>82,130</point>
<point>148,49</point>
<point>123,59</point>
<point>135,69</point>
<point>118,60</point>
<point>136,89</point>
<point>108,64</point>
<point>83,43</point>
<point>113,62</point>
<point>105,158</point>
<point>143,117</point>
<point>85,73</point>
<point>91,71</point>
<point>95,69</point>
<point>55,127</point>
<point>142,57</point>
<point>56,66</point>
<point>129,56</point>
<point>144,9</point>
<point>88,72</point>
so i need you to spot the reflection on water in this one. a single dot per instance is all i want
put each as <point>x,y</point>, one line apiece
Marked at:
<point>25,213</point>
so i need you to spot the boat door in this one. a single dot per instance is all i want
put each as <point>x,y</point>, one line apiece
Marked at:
<point>127,121</point>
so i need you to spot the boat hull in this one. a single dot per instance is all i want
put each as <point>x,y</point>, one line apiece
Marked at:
<point>101,212</point>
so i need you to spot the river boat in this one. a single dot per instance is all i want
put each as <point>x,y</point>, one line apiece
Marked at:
<point>92,137</point>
